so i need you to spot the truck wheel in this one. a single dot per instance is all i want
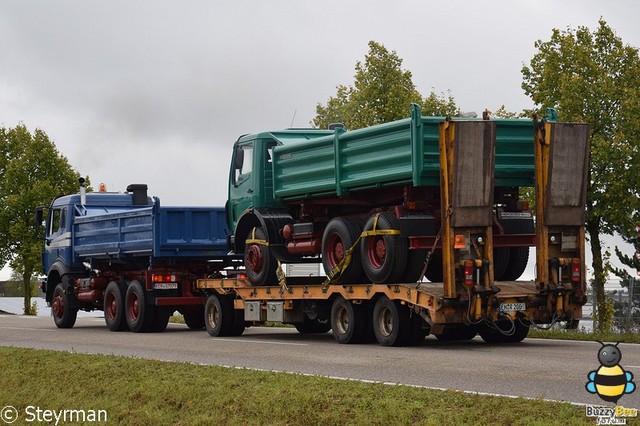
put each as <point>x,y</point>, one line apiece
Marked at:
<point>384,257</point>
<point>492,335</point>
<point>139,314</point>
<point>64,314</point>
<point>391,323</point>
<point>218,318</point>
<point>348,321</point>
<point>313,326</point>
<point>419,330</point>
<point>518,259</point>
<point>500,263</point>
<point>460,332</point>
<point>434,268</point>
<point>114,310</point>
<point>194,319</point>
<point>239,325</point>
<point>340,235</point>
<point>160,319</point>
<point>260,264</point>
<point>415,264</point>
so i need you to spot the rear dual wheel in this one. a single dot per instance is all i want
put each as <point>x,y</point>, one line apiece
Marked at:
<point>339,236</point>
<point>350,322</point>
<point>504,332</point>
<point>114,306</point>
<point>142,316</point>
<point>220,317</point>
<point>394,324</point>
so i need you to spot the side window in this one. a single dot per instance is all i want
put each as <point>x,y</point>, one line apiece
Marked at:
<point>243,163</point>
<point>58,220</point>
<point>270,152</point>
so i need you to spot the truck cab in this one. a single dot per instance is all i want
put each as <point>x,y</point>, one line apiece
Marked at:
<point>58,257</point>
<point>251,173</point>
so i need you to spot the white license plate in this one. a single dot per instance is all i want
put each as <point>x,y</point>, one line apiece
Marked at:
<point>512,307</point>
<point>165,286</point>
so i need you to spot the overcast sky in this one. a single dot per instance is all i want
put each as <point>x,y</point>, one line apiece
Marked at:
<point>157,91</point>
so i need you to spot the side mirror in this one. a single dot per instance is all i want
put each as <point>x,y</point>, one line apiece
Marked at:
<point>39,216</point>
<point>239,159</point>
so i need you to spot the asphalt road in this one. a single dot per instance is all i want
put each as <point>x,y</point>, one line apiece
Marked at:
<point>536,368</point>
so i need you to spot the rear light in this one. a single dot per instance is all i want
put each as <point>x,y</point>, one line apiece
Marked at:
<point>163,278</point>
<point>460,242</point>
<point>468,273</point>
<point>576,268</point>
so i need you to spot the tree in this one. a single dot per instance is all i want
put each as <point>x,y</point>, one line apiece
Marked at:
<point>382,92</point>
<point>32,172</point>
<point>593,77</point>
<point>632,262</point>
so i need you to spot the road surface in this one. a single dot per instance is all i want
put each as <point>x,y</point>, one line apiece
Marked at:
<point>536,368</point>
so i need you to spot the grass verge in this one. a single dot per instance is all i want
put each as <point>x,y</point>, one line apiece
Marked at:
<point>584,335</point>
<point>147,392</point>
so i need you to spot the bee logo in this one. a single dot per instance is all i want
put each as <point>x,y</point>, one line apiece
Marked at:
<point>610,381</point>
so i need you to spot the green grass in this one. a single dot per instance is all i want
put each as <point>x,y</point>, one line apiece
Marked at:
<point>584,335</point>
<point>147,392</point>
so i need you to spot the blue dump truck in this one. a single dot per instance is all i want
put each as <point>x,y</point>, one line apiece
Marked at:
<point>127,255</point>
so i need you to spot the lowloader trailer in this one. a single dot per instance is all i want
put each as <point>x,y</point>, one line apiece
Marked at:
<point>469,301</point>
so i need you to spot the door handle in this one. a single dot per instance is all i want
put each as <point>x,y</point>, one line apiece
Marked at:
<point>249,191</point>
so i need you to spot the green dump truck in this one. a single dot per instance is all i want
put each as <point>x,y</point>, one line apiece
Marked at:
<point>307,195</point>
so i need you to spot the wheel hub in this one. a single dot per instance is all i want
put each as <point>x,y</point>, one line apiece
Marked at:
<point>254,257</point>
<point>134,307</point>
<point>58,306</point>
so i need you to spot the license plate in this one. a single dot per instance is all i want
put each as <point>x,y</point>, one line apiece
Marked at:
<point>165,286</point>
<point>512,307</point>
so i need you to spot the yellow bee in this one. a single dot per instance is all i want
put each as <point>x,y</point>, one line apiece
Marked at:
<point>610,381</point>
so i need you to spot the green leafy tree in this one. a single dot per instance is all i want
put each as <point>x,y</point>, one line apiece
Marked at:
<point>32,172</point>
<point>382,92</point>
<point>632,262</point>
<point>594,77</point>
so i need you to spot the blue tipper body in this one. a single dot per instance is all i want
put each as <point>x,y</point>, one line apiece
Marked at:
<point>110,226</point>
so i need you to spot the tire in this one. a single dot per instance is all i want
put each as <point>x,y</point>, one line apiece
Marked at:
<point>518,259</point>
<point>313,326</point>
<point>391,323</point>
<point>239,324</point>
<point>348,321</point>
<point>460,332</point>
<point>384,257</point>
<point>139,314</point>
<point>259,263</point>
<point>160,319</point>
<point>418,330</point>
<point>434,268</point>
<point>340,235</point>
<point>194,319</point>
<point>492,335</point>
<point>114,306</point>
<point>500,262</point>
<point>62,310</point>
<point>415,263</point>
<point>221,319</point>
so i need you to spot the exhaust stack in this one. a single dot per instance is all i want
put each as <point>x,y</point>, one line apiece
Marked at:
<point>83,191</point>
